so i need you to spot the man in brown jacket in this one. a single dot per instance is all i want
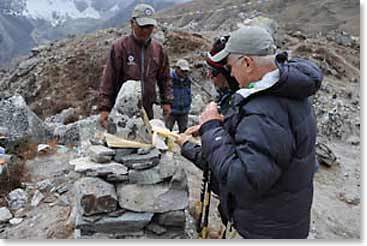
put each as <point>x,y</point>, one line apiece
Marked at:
<point>137,57</point>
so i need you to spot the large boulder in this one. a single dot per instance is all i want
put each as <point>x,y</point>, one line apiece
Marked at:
<point>17,199</point>
<point>94,196</point>
<point>77,132</point>
<point>20,122</point>
<point>124,224</point>
<point>172,218</point>
<point>5,215</point>
<point>165,169</point>
<point>127,118</point>
<point>158,198</point>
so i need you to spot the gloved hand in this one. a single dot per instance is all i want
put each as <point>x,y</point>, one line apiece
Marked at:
<point>103,118</point>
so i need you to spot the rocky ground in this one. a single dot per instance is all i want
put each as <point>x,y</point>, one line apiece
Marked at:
<point>65,76</point>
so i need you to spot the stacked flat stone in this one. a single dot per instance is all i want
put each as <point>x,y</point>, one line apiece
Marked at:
<point>127,192</point>
<point>131,196</point>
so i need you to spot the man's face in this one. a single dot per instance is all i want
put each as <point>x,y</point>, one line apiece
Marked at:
<point>218,79</point>
<point>142,33</point>
<point>182,73</point>
<point>240,67</point>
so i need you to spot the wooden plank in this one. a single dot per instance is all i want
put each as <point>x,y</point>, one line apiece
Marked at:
<point>116,142</point>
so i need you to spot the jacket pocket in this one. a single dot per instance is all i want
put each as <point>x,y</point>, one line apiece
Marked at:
<point>152,68</point>
<point>132,71</point>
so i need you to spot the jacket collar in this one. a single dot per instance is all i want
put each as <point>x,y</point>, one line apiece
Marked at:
<point>266,82</point>
<point>140,43</point>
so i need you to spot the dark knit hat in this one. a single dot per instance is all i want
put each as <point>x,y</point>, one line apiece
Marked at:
<point>218,46</point>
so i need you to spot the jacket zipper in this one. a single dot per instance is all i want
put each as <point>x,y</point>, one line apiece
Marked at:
<point>142,74</point>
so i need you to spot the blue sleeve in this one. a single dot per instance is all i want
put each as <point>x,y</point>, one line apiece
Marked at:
<point>248,163</point>
<point>193,153</point>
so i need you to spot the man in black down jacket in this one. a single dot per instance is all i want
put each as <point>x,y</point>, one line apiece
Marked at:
<point>262,154</point>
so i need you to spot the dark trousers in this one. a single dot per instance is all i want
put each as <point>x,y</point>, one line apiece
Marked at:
<point>182,120</point>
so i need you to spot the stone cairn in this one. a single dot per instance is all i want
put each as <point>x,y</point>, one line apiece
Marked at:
<point>129,192</point>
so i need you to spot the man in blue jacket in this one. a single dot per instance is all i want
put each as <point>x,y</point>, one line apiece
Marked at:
<point>181,104</point>
<point>262,152</point>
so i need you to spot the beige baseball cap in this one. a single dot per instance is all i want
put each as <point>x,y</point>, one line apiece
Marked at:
<point>183,65</point>
<point>248,40</point>
<point>144,15</point>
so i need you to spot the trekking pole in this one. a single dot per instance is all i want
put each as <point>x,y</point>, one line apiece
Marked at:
<point>201,204</point>
<point>207,207</point>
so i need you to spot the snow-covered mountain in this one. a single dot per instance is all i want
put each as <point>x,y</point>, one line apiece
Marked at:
<point>38,21</point>
<point>59,11</point>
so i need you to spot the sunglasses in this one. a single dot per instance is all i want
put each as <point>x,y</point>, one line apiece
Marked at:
<point>214,72</point>
<point>142,27</point>
<point>228,67</point>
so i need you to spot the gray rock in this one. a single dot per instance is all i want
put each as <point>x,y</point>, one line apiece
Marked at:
<point>144,151</point>
<point>93,196</point>
<point>61,189</point>
<point>172,218</point>
<point>160,37</point>
<point>89,127</point>
<point>120,153</point>
<point>126,119</point>
<point>165,169</point>
<point>37,198</point>
<point>349,198</point>
<point>26,66</point>
<point>344,39</point>
<point>101,154</point>
<point>18,198</point>
<point>16,221</point>
<point>22,124</point>
<point>62,117</point>
<point>44,185</point>
<point>77,132</point>
<point>124,224</point>
<point>158,198</point>
<point>5,215</point>
<point>67,135</point>
<point>157,229</point>
<point>353,140</point>
<point>21,213</point>
<point>136,161</point>
<point>198,104</point>
<point>111,172</point>
<point>63,201</point>
<point>78,234</point>
<point>325,155</point>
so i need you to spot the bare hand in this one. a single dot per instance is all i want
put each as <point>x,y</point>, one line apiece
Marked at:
<point>166,110</point>
<point>193,131</point>
<point>210,113</point>
<point>103,118</point>
<point>182,139</point>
